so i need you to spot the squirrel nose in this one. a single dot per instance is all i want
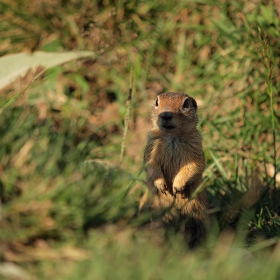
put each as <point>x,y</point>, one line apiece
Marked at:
<point>166,116</point>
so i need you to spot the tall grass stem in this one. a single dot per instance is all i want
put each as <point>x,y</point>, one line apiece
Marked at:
<point>127,113</point>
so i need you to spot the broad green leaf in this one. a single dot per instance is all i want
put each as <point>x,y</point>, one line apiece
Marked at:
<point>17,65</point>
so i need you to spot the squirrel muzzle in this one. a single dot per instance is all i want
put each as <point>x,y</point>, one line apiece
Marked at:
<point>166,120</point>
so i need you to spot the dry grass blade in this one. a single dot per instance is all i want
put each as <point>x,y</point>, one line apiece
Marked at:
<point>127,114</point>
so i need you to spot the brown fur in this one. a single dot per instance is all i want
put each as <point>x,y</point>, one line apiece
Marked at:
<point>175,162</point>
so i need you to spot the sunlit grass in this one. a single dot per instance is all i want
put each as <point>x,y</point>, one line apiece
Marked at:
<point>68,210</point>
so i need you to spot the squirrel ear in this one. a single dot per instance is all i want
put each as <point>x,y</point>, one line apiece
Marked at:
<point>194,103</point>
<point>190,103</point>
<point>186,103</point>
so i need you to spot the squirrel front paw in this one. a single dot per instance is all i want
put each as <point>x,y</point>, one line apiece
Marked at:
<point>160,184</point>
<point>185,190</point>
<point>178,187</point>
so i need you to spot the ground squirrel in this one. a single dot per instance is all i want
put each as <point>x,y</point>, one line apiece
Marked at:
<point>175,162</point>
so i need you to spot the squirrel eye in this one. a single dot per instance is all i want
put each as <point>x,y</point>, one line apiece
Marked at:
<point>186,104</point>
<point>157,102</point>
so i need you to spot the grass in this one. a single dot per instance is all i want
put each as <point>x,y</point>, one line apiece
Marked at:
<point>68,209</point>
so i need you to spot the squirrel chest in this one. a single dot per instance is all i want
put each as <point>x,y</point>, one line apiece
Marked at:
<point>171,154</point>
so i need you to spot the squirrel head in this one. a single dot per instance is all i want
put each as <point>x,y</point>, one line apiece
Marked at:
<point>175,113</point>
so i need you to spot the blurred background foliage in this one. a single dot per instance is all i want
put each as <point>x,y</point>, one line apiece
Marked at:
<point>69,209</point>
